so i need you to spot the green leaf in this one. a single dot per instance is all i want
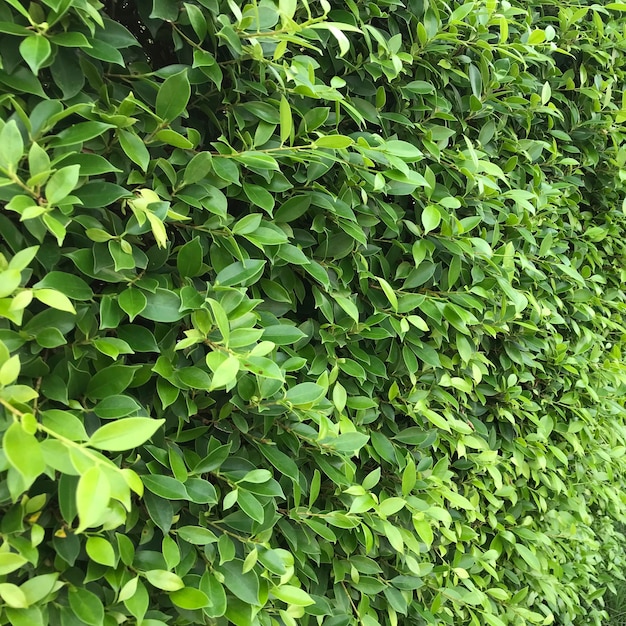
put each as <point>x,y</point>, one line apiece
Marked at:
<point>292,595</point>
<point>389,292</point>
<point>133,302</point>
<point>198,168</point>
<point>243,586</point>
<point>241,273</point>
<point>196,535</point>
<point>286,120</point>
<point>13,596</point>
<point>162,306</point>
<point>80,133</point>
<point>134,148</point>
<point>259,196</point>
<point>70,285</point>
<point>190,598</point>
<point>9,562</point>
<point>165,487</point>
<point>23,452</point>
<point>30,616</point>
<point>348,306</point>
<point>250,506</point>
<point>11,146</point>
<point>162,579</point>
<point>226,373</point>
<point>104,51</point>
<point>348,443</point>
<point>35,50</point>
<point>65,424</point>
<point>529,556</point>
<point>293,208</point>
<point>125,434</point>
<point>282,334</point>
<point>333,141</point>
<point>110,381</point>
<point>9,281</point>
<point>189,261</point>
<point>62,183</point>
<point>173,96</point>
<point>86,606</point>
<point>92,497</point>
<point>101,551</point>
<point>114,407</point>
<point>305,394</point>
<point>54,299</point>
<point>431,218</point>
<point>402,149</point>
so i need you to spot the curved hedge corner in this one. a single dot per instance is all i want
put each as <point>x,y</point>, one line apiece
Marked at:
<point>311,312</point>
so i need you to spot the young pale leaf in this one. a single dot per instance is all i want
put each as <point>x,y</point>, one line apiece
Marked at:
<point>162,579</point>
<point>337,142</point>
<point>92,497</point>
<point>286,120</point>
<point>125,434</point>
<point>23,452</point>
<point>190,598</point>
<point>101,551</point>
<point>10,561</point>
<point>226,373</point>
<point>13,596</point>
<point>292,595</point>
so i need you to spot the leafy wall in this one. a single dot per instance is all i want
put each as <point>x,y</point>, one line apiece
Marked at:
<point>311,312</point>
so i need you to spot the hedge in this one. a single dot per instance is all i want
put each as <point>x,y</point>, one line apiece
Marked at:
<point>311,312</point>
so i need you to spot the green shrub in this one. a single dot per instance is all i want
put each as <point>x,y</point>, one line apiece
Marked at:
<point>311,312</point>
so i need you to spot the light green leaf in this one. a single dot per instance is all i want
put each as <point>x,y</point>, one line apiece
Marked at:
<point>101,551</point>
<point>431,218</point>
<point>23,452</point>
<point>125,434</point>
<point>305,394</point>
<point>162,579</point>
<point>226,373</point>
<point>13,596</point>
<point>11,146</point>
<point>389,292</point>
<point>35,50</point>
<point>92,497</point>
<point>529,556</point>
<point>62,183</point>
<point>292,595</point>
<point>190,598</point>
<point>286,119</point>
<point>9,562</point>
<point>134,148</point>
<point>337,142</point>
<point>87,607</point>
<point>54,299</point>
<point>347,305</point>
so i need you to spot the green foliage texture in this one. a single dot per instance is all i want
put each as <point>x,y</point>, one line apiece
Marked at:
<point>311,313</point>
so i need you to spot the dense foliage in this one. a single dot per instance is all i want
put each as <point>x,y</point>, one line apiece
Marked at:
<point>311,312</point>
